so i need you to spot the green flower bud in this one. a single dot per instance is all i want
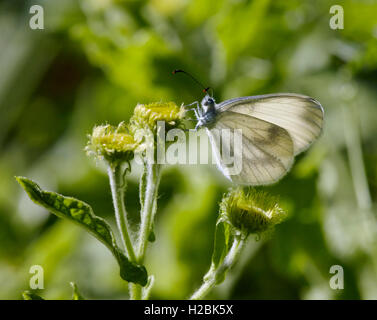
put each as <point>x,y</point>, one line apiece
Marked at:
<point>146,116</point>
<point>114,144</point>
<point>146,127</point>
<point>252,212</point>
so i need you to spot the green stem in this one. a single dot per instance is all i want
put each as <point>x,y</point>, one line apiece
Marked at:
<point>359,178</point>
<point>355,155</point>
<point>213,274</point>
<point>117,191</point>
<point>153,173</point>
<point>135,291</point>
<point>149,182</point>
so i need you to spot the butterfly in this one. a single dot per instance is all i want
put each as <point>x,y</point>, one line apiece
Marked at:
<point>274,128</point>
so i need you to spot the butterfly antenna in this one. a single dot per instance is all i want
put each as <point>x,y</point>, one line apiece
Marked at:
<point>205,89</point>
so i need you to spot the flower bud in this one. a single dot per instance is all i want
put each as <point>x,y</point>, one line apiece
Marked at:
<point>252,212</point>
<point>146,116</point>
<point>146,127</point>
<point>114,144</point>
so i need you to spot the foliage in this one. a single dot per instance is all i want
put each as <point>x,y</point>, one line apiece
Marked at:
<point>82,214</point>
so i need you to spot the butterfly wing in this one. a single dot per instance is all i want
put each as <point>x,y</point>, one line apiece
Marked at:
<point>300,115</point>
<point>266,152</point>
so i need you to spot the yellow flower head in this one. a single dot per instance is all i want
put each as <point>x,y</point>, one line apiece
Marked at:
<point>146,116</point>
<point>251,212</point>
<point>114,144</point>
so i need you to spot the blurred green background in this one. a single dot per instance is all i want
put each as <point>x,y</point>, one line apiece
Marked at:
<point>96,59</point>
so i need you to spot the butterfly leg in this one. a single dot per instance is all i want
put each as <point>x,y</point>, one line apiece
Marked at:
<point>196,111</point>
<point>197,126</point>
<point>191,104</point>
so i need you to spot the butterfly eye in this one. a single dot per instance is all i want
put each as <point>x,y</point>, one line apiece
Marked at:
<point>208,101</point>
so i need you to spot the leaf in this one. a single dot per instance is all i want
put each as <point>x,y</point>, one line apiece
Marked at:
<point>221,243</point>
<point>152,236</point>
<point>82,214</point>
<point>220,249</point>
<point>76,294</point>
<point>28,295</point>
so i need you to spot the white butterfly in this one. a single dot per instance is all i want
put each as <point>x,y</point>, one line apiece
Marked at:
<point>275,128</point>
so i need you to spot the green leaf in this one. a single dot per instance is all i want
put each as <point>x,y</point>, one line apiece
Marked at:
<point>28,295</point>
<point>221,247</point>
<point>221,243</point>
<point>76,294</point>
<point>82,214</point>
<point>152,236</point>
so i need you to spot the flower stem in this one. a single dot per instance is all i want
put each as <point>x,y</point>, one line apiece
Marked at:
<point>149,182</point>
<point>117,191</point>
<point>213,274</point>
<point>153,173</point>
<point>135,291</point>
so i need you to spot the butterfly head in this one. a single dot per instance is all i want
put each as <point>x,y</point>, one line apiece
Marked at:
<point>208,103</point>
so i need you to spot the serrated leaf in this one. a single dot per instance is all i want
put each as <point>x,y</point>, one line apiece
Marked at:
<point>76,294</point>
<point>82,214</point>
<point>28,295</point>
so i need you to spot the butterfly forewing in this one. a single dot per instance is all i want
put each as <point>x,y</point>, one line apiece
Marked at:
<point>267,149</point>
<point>300,115</point>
